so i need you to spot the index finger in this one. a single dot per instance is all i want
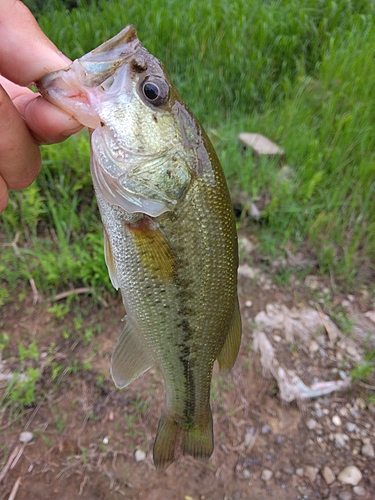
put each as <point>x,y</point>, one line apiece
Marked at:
<point>27,53</point>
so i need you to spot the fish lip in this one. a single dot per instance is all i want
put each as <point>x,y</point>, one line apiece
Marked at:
<point>96,66</point>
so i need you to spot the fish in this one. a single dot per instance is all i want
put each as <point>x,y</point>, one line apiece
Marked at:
<point>170,237</point>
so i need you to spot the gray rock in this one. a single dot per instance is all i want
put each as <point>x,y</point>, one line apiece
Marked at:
<point>367,450</point>
<point>311,424</point>
<point>266,475</point>
<point>299,472</point>
<point>358,490</point>
<point>351,427</point>
<point>340,439</point>
<point>350,475</point>
<point>328,475</point>
<point>266,429</point>
<point>336,420</point>
<point>345,495</point>
<point>246,474</point>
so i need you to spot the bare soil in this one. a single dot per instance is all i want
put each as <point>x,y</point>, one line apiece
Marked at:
<point>86,432</point>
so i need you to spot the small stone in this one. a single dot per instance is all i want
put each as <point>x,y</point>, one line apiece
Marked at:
<point>299,472</point>
<point>351,427</point>
<point>106,440</point>
<point>361,403</point>
<point>367,450</point>
<point>310,472</point>
<point>340,439</point>
<point>314,346</point>
<point>26,437</point>
<point>350,475</point>
<point>311,424</point>
<point>345,495</point>
<point>266,475</point>
<point>139,456</point>
<point>336,420</point>
<point>358,490</point>
<point>266,429</point>
<point>246,474</point>
<point>248,303</point>
<point>328,475</point>
<point>288,469</point>
<point>343,411</point>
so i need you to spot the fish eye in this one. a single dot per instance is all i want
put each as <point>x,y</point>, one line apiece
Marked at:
<point>155,90</point>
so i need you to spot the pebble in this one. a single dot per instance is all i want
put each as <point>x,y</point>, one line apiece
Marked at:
<point>266,429</point>
<point>26,437</point>
<point>340,439</point>
<point>350,475</point>
<point>139,456</point>
<point>314,346</point>
<point>246,474</point>
<point>351,427</point>
<point>310,472</point>
<point>328,475</point>
<point>299,472</point>
<point>367,450</point>
<point>345,495</point>
<point>358,490</point>
<point>336,420</point>
<point>311,424</point>
<point>266,475</point>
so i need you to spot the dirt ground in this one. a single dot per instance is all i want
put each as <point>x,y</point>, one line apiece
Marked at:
<point>92,441</point>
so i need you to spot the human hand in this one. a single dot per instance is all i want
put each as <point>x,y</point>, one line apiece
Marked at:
<point>26,119</point>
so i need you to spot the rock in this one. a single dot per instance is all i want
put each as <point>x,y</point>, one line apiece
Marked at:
<point>299,472</point>
<point>266,475</point>
<point>266,429</point>
<point>370,315</point>
<point>246,474</point>
<point>351,427</point>
<point>26,437</point>
<point>336,420</point>
<point>350,475</point>
<point>367,450</point>
<point>358,490</point>
<point>310,472</point>
<point>288,469</point>
<point>328,475</point>
<point>345,495</point>
<point>139,456</point>
<point>311,424</point>
<point>314,346</point>
<point>340,439</point>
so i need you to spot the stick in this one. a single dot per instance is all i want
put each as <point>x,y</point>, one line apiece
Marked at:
<point>16,485</point>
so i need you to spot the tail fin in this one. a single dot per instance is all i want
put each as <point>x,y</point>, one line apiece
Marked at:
<point>197,440</point>
<point>167,442</point>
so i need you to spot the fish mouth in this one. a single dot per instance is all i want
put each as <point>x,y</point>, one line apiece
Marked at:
<point>76,87</point>
<point>96,66</point>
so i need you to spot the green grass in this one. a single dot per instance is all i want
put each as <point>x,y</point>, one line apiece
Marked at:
<point>300,73</point>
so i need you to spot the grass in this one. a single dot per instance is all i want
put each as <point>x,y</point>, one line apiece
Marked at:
<point>296,73</point>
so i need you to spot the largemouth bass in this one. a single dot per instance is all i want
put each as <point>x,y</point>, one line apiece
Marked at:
<point>170,236</point>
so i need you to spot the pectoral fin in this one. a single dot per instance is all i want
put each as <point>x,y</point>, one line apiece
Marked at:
<point>130,358</point>
<point>229,352</point>
<point>109,261</point>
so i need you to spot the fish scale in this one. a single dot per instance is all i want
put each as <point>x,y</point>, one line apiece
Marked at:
<point>170,236</point>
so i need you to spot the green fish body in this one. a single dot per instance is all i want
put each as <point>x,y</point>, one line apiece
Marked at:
<point>170,236</point>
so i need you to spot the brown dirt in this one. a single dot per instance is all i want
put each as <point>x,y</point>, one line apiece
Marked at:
<point>86,432</point>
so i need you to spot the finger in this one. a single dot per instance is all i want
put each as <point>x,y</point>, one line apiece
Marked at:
<point>20,157</point>
<point>27,54</point>
<point>3,194</point>
<point>47,123</point>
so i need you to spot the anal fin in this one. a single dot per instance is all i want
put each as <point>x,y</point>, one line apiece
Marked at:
<point>130,358</point>
<point>228,353</point>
